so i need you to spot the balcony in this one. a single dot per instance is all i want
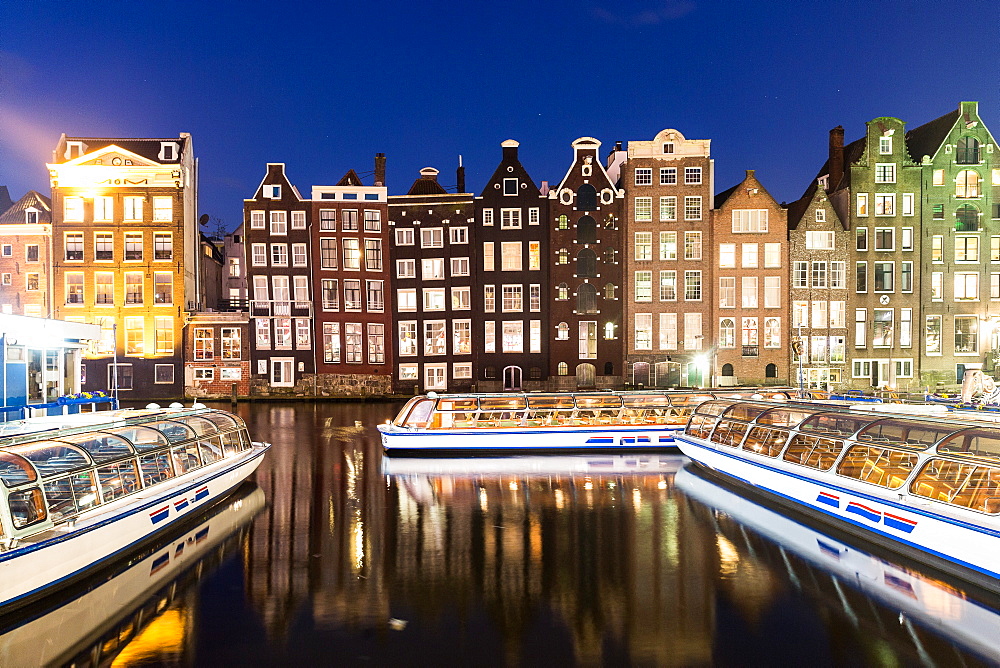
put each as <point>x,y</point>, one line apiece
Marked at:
<point>280,309</point>
<point>751,351</point>
<point>234,305</point>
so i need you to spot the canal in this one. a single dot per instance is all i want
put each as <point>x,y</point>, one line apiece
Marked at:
<point>339,556</point>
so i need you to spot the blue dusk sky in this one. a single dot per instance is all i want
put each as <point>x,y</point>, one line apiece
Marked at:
<point>323,86</point>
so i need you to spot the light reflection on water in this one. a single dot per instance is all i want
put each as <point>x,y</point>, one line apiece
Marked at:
<point>614,559</point>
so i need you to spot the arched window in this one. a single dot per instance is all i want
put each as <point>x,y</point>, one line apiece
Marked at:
<point>609,290</point>
<point>609,330</point>
<point>967,151</point>
<point>967,184</point>
<point>967,218</point>
<point>563,369</point>
<point>490,373</point>
<point>586,198</point>
<point>586,230</point>
<point>772,332</point>
<point>562,332</point>
<point>586,298</point>
<point>609,369</point>
<point>562,256</point>
<point>727,369</point>
<point>727,333</point>
<point>562,222</point>
<point>771,371</point>
<point>562,292</point>
<point>586,263</point>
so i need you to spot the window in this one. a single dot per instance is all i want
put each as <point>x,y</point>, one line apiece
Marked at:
<point>353,345</point>
<point>818,275</point>
<point>510,219</point>
<point>966,249</point>
<point>885,145</point>
<point>373,254</point>
<point>644,209</point>
<point>373,220</point>
<point>489,298</point>
<point>74,245</point>
<point>562,256</point>
<point>431,237</point>
<point>163,287</point>
<point>772,255</point>
<point>31,253</point>
<point>586,195</point>
<point>862,202</point>
<point>32,282</point>
<point>692,207</point>
<point>860,327</point>
<point>74,287</point>
<point>487,217</point>
<point>800,274</point>
<point>256,220</point>
<point>408,268</point>
<point>376,296</point>
<point>643,176</point>
<point>331,294</point>
<point>258,255</point>
<point>376,343</point>
<point>104,288</point>
<point>328,256</point>
<point>937,248</point>
<point>861,277</point>
<point>409,372</point>
<point>967,218</point>
<point>932,335</point>
<point>643,331</point>
<point>298,220</point>
<point>668,286</point>
<point>643,286</point>
<point>331,342</point>
<point>461,298</point>
<point>907,206</point>
<point>352,295</point>
<point>937,212</point>
<point>838,275</point>
<point>163,333</point>
<point>966,334</point>
<point>513,336</point>
<point>513,298</point>
<point>434,298</point>
<point>692,286</point>
<point>562,222</point>
<point>692,245</point>
<point>668,245</point>
<point>352,254</point>
<point>562,332</point>
<point>748,291</point>
<point>510,255</point>
<point>535,298</point>
<point>772,332</point>
<point>883,273</point>
<point>404,237</point>
<point>459,266</point>
<point>668,175</point>
<point>349,223</point>
<point>435,338</point>
<point>535,343</point>
<point>750,220</point>
<point>885,204</point>
<point>104,209</point>
<point>838,314</point>
<point>586,263</point>
<point>967,151</point>
<point>967,184</point>
<point>407,338</point>
<point>749,256</point>
<point>279,255</point>
<point>819,315</point>
<point>204,343</point>
<point>489,263</point>
<point>73,210</point>
<point>132,208</point>
<point>510,187</point>
<point>587,339</point>
<point>134,335</point>
<point>668,331</point>
<point>279,222</point>
<point>906,327</point>
<point>458,235</point>
<point>727,292</point>
<point>263,338</point>
<point>586,298</point>
<point>668,209</point>
<point>820,215</point>
<point>937,286</point>
<point>104,246</point>
<point>163,209</point>
<point>133,246</point>
<point>727,333</point>
<point>820,240</point>
<point>461,337</point>
<point>533,216</point>
<point>885,172</point>
<point>906,277</point>
<point>231,343</point>
<point>534,255</point>
<point>884,239</point>
<point>163,246</point>
<point>692,331</point>
<point>966,286</point>
<point>860,239</point>
<point>727,256</point>
<point>299,255</point>
<point>772,292</point>
<point>692,176</point>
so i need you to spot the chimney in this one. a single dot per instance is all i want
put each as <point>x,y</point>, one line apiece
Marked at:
<point>429,174</point>
<point>836,157</point>
<point>544,190</point>
<point>380,169</point>
<point>510,150</point>
<point>460,174</point>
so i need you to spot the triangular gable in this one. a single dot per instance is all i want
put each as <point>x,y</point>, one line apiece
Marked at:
<point>107,153</point>
<point>259,194</point>
<point>581,142</point>
<point>351,178</point>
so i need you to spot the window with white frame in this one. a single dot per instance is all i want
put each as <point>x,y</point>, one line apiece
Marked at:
<point>133,208</point>
<point>510,219</point>
<point>907,204</point>
<point>692,207</point>
<point>279,222</point>
<point>818,275</point>
<point>838,314</point>
<point>668,245</point>
<point>692,245</point>
<point>458,235</point>
<point>534,255</point>
<point>727,333</point>
<point>408,344</point>
<point>819,314</point>
<point>932,335</point>
<point>643,176</point>
<point>513,336</point>
<point>376,296</point>
<point>435,338</point>
<point>373,220</point>
<point>692,286</point>
<point>967,249</point>
<point>644,209</point>
<point>510,187</point>
<point>535,298</point>
<point>432,269</point>
<point>643,245</point>
<point>352,254</point>
<point>800,313</point>
<point>432,237</point>
<point>461,337</point>
<point>885,172</point>
<point>406,299</point>
<point>727,256</point>
<point>750,220</point>
<point>643,331</point>
<point>258,254</point>
<point>349,220</point>
<point>279,255</point>
<point>772,255</point>
<point>885,204</point>
<point>299,255</point>
<point>489,298</point>
<point>860,328</point>
<point>862,204</point>
<point>692,176</point>
<point>693,337</point>
<point>487,217</point>
<point>819,240</point>
<point>488,258</point>
<point>772,332</point>
<point>404,236</point>
<point>668,331</point>
<point>643,286</point>
<point>668,176</point>
<point>668,285</point>
<point>966,286</point>
<point>434,299</point>
<point>748,291</point>
<point>459,266</point>
<point>749,256</point>
<point>772,292</point>
<point>510,255</point>
<point>533,216</point>
<point>373,254</point>
<point>513,298</point>
<point>668,209</point>
<point>407,268</point>
<point>820,215</point>
<point>800,274</point>
<point>461,298</point>
<point>727,292</point>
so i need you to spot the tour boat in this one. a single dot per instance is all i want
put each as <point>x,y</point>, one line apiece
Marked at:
<point>79,490</point>
<point>558,421</point>
<point>921,598</point>
<point>96,620</point>
<point>920,479</point>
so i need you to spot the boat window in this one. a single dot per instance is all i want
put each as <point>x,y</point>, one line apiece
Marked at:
<point>961,484</point>
<point>52,458</point>
<point>174,431</point>
<point>983,443</point>
<point>27,507</point>
<point>836,424</point>
<point>143,438</point>
<point>812,451</point>
<point>155,468</point>
<point>915,435</point>
<point>700,427</point>
<point>222,420</point>
<point>745,411</point>
<point>102,447</point>
<point>211,450</point>
<point>15,470</point>
<point>552,401</point>
<point>766,441</point>
<point>186,458</point>
<point>729,433</point>
<point>646,400</point>
<point>598,401</point>
<point>502,403</point>
<point>71,494</point>
<point>691,399</point>
<point>784,417</point>
<point>457,404</point>
<point>419,413</point>
<point>201,426</point>
<point>885,467</point>
<point>118,479</point>
<point>231,442</point>
<point>713,407</point>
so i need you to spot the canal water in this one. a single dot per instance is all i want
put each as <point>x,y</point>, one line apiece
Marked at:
<point>340,556</point>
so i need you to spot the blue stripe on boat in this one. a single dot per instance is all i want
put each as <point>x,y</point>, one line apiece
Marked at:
<point>864,511</point>
<point>201,494</point>
<point>160,515</point>
<point>600,439</point>
<point>828,550</point>
<point>828,499</point>
<point>160,562</point>
<point>901,523</point>
<point>180,505</point>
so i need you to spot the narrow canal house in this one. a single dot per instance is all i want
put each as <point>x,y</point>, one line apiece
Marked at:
<point>818,240</point>
<point>276,222</point>
<point>669,183</point>
<point>510,328</point>
<point>959,216</point>
<point>751,308</point>
<point>26,231</point>
<point>586,294</point>
<point>352,279</point>
<point>125,247</point>
<point>433,231</point>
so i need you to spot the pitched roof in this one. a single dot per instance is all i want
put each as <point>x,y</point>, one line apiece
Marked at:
<point>427,184</point>
<point>927,138</point>
<point>147,147</point>
<point>15,214</point>
<point>721,198</point>
<point>5,201</point>
<point>351,178</point>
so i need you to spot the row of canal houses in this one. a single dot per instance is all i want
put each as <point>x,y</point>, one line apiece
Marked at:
<point>632,270</point>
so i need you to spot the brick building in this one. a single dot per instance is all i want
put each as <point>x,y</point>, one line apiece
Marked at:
<point>217,355</point>
<point>26,231</point>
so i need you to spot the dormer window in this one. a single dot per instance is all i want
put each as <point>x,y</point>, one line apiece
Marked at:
<point>168,150</point>
<point>272,192</point>
<point>74,149</point>
<point>668,147</point>
<point>31,216</point>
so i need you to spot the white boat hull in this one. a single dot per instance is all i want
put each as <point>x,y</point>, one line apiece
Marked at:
<point>920,528</point>
<point>529,438</point>
<point>62,555</point>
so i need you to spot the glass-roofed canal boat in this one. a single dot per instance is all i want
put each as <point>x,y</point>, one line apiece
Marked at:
<point>82,490</point>
<point>557,421</point>
<point>921,480</point>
